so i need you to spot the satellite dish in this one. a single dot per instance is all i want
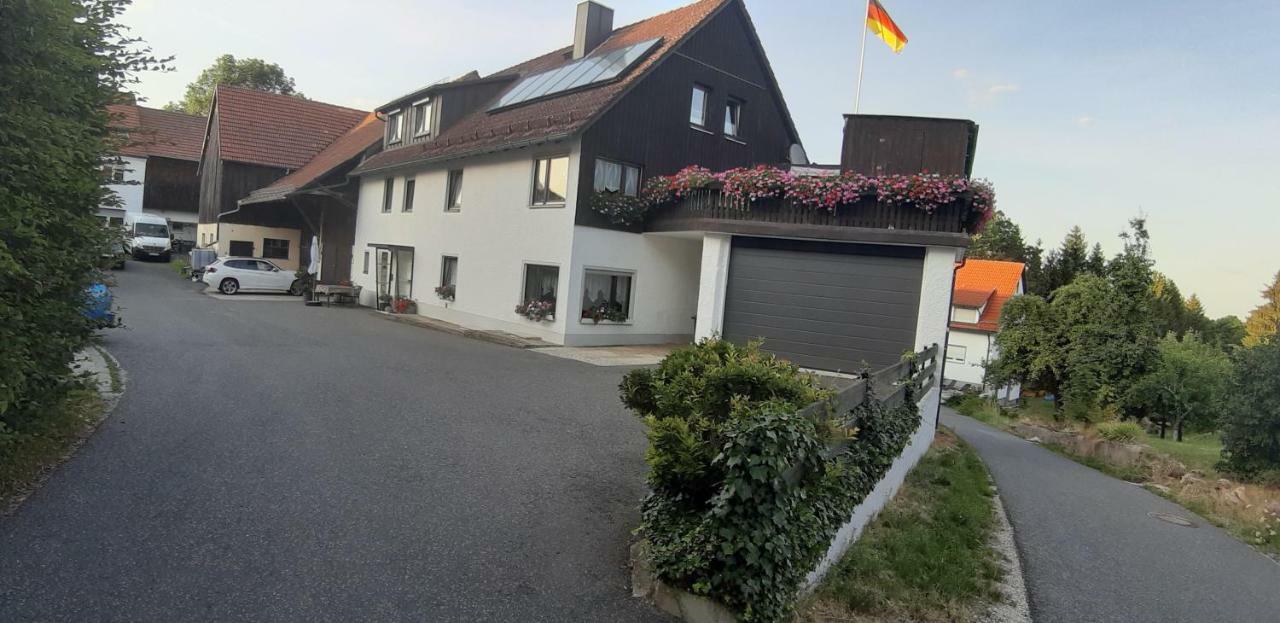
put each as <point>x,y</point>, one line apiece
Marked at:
<point>797,155</point>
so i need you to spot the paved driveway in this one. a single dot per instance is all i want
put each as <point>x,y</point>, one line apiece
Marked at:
<point>1092,553</point>
<point>272,462</point>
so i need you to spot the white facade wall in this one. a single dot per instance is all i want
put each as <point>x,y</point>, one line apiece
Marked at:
<point>976,345</point>
<point>931,328</point>
<point>493,236</point>
<point>664,297</point>
<point>130,192</point>
<point>713,284</point>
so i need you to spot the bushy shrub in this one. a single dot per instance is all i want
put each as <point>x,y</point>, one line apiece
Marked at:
<point>745,494</point>
<point>1123,432</point>
<point>61,64</point>
<point>1251,422</point>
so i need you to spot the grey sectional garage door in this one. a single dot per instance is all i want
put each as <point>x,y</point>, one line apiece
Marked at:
<point>826,306</point>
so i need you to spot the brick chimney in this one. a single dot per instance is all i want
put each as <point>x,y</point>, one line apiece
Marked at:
<point>594,25</point>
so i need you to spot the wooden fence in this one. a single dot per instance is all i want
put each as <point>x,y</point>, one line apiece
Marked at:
<point>888,385</point>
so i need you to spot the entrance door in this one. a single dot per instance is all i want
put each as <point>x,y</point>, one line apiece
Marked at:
<point>395,275</point>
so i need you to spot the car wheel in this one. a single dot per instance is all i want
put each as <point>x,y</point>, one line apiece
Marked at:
<point>229,286</point>
<point>295,288</point>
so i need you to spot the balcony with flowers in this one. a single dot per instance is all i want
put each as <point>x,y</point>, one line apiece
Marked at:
<point>769,201</point>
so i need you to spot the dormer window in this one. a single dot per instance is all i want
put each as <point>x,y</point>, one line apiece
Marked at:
<point>422,118</point>
<point>395,127</point>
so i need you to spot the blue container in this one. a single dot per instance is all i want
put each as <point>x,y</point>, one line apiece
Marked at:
<point>97,307</point>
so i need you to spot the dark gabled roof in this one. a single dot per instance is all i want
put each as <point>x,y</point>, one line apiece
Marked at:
<point>555,117</point>
<point>255,127</point>
<point>160,133</point>
<point>348,147</point>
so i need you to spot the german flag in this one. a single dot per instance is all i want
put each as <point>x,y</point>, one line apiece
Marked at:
<point>882,25</point>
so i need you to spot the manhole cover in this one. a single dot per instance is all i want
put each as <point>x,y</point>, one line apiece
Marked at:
<point>1173,519</point>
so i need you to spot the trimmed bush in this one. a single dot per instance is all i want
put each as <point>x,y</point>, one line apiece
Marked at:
<point>723,518</point>
<point>1123,432</point>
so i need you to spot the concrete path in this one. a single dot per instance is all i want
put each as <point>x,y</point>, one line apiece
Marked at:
<point>1092,552</point>
<point>275,462</point>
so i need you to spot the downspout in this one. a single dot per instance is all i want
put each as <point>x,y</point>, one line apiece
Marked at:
<point>951,299</point>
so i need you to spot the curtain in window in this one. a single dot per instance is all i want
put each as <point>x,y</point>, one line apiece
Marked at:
<point>606,291</point>
<point>631,184</point>
<point>608,176</point>
<point>540,283</point>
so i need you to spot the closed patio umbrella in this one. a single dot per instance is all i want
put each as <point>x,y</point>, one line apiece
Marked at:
<point>314,267</point>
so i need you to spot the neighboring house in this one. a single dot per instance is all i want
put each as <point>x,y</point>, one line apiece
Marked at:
<point>483,182</point>
<point>253,139</point>
<point>981,289</point>
<point>155,171</point>
<point>323,196</point>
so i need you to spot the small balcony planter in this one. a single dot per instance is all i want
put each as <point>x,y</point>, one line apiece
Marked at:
<point>447,292</point>
<point>537,310</point>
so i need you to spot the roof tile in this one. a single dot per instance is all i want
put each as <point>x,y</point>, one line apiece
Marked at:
<point>554,116</point>
<point>976,276</point>
<point>159,133</point>
<point>348,146</point>
<point>256,127</point>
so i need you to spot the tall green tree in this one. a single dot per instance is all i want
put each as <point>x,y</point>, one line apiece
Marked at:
<point>1168,308</point>
<point>1062,265</point>
<point>1002,240</point>
<point>1187,386</point>
<point>1195,318</point>
<point>61,64</point>
<point>1264,320</point>
<point>1225,333</point>
<point>1091,341</point>
<point>1251,423</point>
<point>227,70</point>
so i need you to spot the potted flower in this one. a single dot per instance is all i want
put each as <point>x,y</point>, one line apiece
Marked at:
<point>402,305</point>
<point>537,310</point>
<point>604,311</point>
<point>446,292</point>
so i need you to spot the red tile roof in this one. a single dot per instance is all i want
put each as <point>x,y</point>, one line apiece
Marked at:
<point>972,299</point>
<point>343,150</point>
<point>1000,278</point>
<point>556,116</point>
<point>159,133</point>
<point>255,127</point>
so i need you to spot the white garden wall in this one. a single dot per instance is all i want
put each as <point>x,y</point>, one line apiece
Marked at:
<point>931,328</point>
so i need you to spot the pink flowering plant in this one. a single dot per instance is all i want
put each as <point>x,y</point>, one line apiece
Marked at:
<point>756,183</point>
<point>537,310</point>
<point>923,191</point>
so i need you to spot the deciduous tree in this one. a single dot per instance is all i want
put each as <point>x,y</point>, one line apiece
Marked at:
<point>1264,320</point>
<point>1251,423</point>
<point>227,70</point>
<point>1187,385</point>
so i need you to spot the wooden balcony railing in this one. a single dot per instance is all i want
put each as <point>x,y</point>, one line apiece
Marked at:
<point>707,209</point>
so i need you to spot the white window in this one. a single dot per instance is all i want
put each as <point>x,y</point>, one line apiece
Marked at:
<point>422,118</point>
<point>453,191</point>
<point>395,127</point>
<point>113,172</point>
<point>540,283</point>
<point>388,187</point>
<point>606,296</point>
<point>409,183</point>
<point>956,353</point>
<point>550,181</point>
<point>733,118</point>
<point>617,177</point>
<point>698,106</point>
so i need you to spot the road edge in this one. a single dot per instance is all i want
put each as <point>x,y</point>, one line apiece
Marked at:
<point>1014,607</point>
<point>104,371</point>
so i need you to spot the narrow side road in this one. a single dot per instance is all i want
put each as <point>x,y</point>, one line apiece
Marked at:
<point>1092,552</point>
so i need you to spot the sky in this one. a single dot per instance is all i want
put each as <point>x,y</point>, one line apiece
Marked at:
<point>1091,111</point>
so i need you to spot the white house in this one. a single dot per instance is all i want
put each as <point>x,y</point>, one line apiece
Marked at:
<point>155,171</point>
<point>484,199</point>
<point>981,289</point>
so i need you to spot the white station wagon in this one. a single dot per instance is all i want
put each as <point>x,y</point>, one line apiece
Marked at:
<point>248,274</point>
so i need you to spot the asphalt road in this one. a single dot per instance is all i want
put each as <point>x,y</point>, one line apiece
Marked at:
<point>1091,553</point>
<point>273,462</point>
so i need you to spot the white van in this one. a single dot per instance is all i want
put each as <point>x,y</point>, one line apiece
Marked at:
<point>147,236</point>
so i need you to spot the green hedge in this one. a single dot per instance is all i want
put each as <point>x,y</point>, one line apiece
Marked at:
<point>61,64</point>
<point>721,519</point>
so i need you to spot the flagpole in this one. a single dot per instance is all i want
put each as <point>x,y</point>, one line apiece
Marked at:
<point>862,56</point>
